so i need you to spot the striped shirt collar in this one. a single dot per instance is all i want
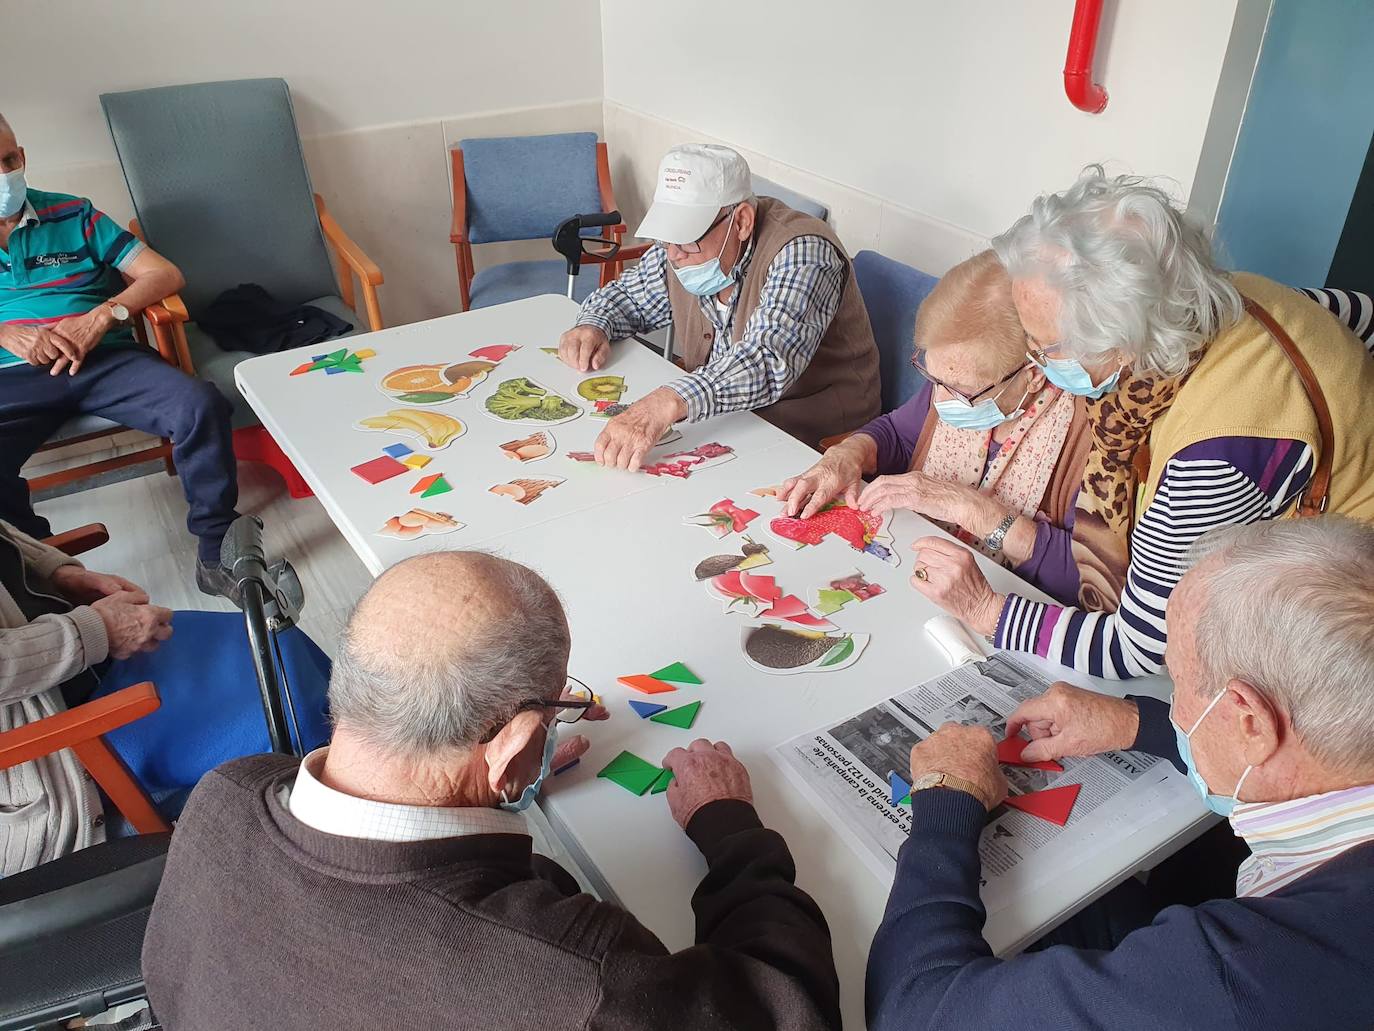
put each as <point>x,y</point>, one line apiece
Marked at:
<point>1290,839</point>
<point>319,806</point>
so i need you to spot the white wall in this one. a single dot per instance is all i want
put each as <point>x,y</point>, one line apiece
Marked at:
<point>379,91</point>
<point>928,125</point>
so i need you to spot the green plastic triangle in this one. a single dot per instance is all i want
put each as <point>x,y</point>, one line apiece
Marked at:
<point>683,716</point>
<point>337,356</point>
<point>661,785</point>
<point>906,800</point>
<point>631,772</point>
<point>439,486</point>
<point>676,673</point>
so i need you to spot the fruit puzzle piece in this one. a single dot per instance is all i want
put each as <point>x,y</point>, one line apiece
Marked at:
<point>661,785</point>
<point>1052,804</point>
<point>862,531</point>
<point>567,766</point>
<point>1009,751</point>
<point>677,673</point>
<point>494,352</point>
<point>682,717</point>
<point>901,790</point>
<point>631,772</point>
<point>723,518</point>
<point>647,709</point>
<point>645,684</point>
<point>379,469</point>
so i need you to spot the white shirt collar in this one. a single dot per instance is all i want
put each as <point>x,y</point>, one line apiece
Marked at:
<point>28,216</point>
<point>319,806</point>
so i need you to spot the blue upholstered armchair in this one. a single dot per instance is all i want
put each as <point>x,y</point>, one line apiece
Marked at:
<point>520,188</point>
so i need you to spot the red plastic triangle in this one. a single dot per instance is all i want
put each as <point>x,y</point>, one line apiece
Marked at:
<point>1009,752</point>
<point>1053,804</point>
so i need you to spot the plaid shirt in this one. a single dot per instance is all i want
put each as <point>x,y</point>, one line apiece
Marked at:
<point>799,298</point>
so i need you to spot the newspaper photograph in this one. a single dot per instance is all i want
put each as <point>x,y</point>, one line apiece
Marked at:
<point>846,767</point>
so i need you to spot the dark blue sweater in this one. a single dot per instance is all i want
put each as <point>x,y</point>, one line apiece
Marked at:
<point>1301,958</point>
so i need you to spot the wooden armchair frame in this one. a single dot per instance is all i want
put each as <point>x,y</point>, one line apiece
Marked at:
<point>611,262</point>
<point>352,262</point>
<point>81,728</point>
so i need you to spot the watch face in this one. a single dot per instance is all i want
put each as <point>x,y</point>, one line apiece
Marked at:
<point>929,780</point>
<point>120,312</point>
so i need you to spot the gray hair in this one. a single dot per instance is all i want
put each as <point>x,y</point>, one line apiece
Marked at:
<point>1289,609</point>
<point>1134,275</point>
<point>451,697</point>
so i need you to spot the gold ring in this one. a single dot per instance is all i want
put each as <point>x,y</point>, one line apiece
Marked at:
<point>920,573</point>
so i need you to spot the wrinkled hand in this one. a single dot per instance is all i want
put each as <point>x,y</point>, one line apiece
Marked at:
<point>839,472</point>
<point>628,436</point>
<point>702,773</point>
<point>82,586</point>
<point>36,345</point>
<point>584,348</point>
<point>925,495</point>
<point>132,626</point>
<point>570,748</point>
<point>77,336</point>
<point>969,753</point>
<point>1068,720</point>
<point>947,573</point>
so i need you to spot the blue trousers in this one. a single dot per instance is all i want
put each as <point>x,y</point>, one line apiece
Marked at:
<point>135,388</point>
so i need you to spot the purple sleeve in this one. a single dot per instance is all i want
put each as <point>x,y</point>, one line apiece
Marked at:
<point>896,433</point>
<point>1051,566</point>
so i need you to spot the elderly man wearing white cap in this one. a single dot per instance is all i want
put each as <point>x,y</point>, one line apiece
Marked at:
<point>763,304</point>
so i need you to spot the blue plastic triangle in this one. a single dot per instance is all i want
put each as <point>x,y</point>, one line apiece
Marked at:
<point>646,709</point>
<point>900,788</point>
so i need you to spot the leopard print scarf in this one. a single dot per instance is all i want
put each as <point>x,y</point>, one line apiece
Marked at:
<point>1119,427</point>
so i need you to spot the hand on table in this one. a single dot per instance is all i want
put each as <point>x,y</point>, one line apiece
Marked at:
<point>947,573</point>
<point>839,473</point>
<point>584,348</point>
<point>131,625</point>
<point>922,494</point>
<point>969,753</point>
<point>82,586</point>
<point>77,336</point>
<point>574,747</point>
<point>702,773</point>
<point>628,436</point>
<point>1068,720</point>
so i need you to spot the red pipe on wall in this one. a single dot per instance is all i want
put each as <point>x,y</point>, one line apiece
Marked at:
<point>1082,92</point>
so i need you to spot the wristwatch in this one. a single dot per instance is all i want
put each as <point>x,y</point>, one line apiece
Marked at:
<point>994,540</point>
<point>120,313</point>
<point>946,780</point>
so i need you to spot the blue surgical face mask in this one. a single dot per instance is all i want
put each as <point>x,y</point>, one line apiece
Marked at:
<point>985,415</point>
<point>527,796</point>
<point>1219,804</point>
<point>1068,374</point>
<point>13,191</point>
<point>708,278</point>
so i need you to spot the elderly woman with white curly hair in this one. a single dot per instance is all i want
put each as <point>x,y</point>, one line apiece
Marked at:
<point>1214,399</point>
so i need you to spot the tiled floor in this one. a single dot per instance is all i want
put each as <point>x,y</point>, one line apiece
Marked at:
<point>149,543</point>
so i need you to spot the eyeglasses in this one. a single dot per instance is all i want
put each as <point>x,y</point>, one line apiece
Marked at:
<point>695,246</point>
<point>918,361</point>
<point>571,705</point>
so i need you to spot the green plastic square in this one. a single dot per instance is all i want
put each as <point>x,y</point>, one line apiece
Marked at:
<point>676,673</point>
<point>682,717</point>
<point>631,772</point>
<point>661,785</point>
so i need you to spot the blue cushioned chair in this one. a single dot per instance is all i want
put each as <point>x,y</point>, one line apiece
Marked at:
<point>800,202</point>
<point>892,292</point>
<point>520,188</point>
<point>187,152</point>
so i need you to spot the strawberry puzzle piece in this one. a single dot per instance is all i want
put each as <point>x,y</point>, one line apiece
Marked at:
<point>862,531</point>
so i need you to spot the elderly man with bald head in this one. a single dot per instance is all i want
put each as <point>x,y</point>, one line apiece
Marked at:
<point>388,879</point>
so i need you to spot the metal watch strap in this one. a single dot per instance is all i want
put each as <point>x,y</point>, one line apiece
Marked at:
<point>945,780</point>
<point>995,539</point>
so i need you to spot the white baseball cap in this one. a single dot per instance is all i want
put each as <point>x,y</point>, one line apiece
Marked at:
<point>695,181</point>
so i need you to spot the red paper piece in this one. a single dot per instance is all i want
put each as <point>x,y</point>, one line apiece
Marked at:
<point>739,517</point>
<point>764,588</point>
<point>787,608</point>
<point>1009,751</point>
<point>814,622</point>
<point>493,352</point>
<point>380,469</point>
<point>856,527</point>
<point>645,684</point>
<point>1053,804</point>
<point>732,583</point>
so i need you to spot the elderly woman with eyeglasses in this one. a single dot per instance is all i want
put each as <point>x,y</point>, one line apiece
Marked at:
<point>989,448</point>
<point>1212,399</point>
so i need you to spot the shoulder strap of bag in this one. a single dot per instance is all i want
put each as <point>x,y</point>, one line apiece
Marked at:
<point>1317,493</point>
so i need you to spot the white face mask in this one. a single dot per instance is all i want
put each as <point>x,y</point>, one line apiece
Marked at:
<point>13,192</point>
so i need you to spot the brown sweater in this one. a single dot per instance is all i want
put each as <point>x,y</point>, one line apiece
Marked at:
<point>264,923</point>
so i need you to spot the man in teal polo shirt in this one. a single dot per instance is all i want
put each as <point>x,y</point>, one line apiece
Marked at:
<point>71,283</point>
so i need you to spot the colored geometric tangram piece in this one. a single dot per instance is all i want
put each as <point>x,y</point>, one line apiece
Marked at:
<point>397,450</point>
<point>364,354</point>
<point>336,356</point>
<point>416,461</point>
<point>682,717</point>
<point>646,709</point>
<point>1053,804</point>
<point>334,370</point>
<point>380,469</point>
<point>301,369</point>
<point>677,673</point>
<point>661,785</point>
<point>424,483</point>
<point>645,685</point>
<point>900,789</point>
<point>1009,751</point>
<point>631,772</point>
<point>439,486</point>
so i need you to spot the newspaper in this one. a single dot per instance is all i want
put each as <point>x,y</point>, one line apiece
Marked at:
<point>846,767</point>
